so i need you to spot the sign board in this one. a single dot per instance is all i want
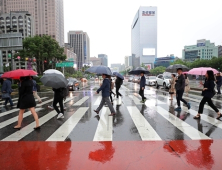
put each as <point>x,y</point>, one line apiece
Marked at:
<point>12,41</point>
<point>201,43</point>
<point>65,64</point>
<point>149,66</point>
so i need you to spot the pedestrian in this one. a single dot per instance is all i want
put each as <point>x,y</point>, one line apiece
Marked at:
<point>35,90</point>
<point>111,87</point>
<point>172,90</point>
<point>218,82</point>
<point>105,88</point>
<point>7,89</point>
<point>26,101</point>
<point>208,93</point>
<point>58,98</point>
<point>180,85</point>
<point>118,84</point>
<point>142,87</point>
<point>187,84</point>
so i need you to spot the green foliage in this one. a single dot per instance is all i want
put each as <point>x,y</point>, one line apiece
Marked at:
<point>180,61</point>
<point>124,72</point>
<point>42,48</point>
<point>157,70</point>
<point>14,86</point>
<point>144,66</point>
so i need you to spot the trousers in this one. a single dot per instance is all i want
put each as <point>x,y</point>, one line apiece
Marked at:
<point>117,91</point>
<point>179,97</point>
<point>218,89</point>
<point>209,101</point>
<point>36,96</point>
<point>107,101</point>
<point>10,101</point>
<point>60,101</point>
<point>141,93</point>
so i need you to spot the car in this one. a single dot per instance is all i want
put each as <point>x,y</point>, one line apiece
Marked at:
<point>151,81</point>
<point>136,79</point>
<point>163,80</point>
<point>73,84</point>
<point>130,79</point>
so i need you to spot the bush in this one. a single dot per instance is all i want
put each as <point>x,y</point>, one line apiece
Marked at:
<point>14,86</point>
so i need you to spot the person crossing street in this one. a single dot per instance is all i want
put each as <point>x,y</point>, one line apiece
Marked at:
<point>142,87</point>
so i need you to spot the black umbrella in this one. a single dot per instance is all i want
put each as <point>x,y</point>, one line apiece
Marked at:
<point>99,70</point>
<point>54,80</point>
<point>173,68</point>
<point>118,75</point>
<point>139,70</point>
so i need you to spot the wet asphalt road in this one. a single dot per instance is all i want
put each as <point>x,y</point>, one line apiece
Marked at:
<point>153,121</point>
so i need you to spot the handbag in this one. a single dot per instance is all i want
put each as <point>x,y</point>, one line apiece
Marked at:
<point>5,96</point>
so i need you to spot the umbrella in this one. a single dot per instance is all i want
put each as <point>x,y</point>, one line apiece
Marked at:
<point>54,80</point>
<point>173,68</point>
<point>138,70</point>
<point>202,70</point>
<point>50,71</point>
<point>16,74</point>
<point>99,70</point>
<point>118,75</point>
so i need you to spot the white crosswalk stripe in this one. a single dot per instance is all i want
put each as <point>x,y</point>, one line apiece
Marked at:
<point>80,102</point>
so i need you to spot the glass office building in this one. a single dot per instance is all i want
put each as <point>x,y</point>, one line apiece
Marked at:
<point>164,61</point>
<point>144,35</point>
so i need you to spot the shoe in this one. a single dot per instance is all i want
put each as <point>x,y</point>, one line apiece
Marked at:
<point>64,109</point>
<point>142,101</point>
<point>40,102</point>
<point>188,106</point>
<point>196,117</point>
<point>17,128</point>
<point>178,109</point>
<point>218,118</point>
<point>96,112</point>
<point>112,114</point>
<point>50,107</point>
<point>37,128</point>
<point>60,115</point>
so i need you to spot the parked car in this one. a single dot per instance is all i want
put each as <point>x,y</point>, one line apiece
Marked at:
<point>136,79</point>
<point>151,81</point>
<point>163,80</point>
<point>73,84</point>
<point>130,79</point>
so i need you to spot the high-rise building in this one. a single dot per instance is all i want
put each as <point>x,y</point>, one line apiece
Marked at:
<point>204,49</point>
<point>95,61</point>
<point>164,61</point>
<point>126,61</point>
<point>220,51</point>
<point>79,40</point>
<point>104,58</point>
<point>48,15</point>
<point>144,35</point>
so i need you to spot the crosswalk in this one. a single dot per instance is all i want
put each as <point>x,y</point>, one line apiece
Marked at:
<point>147,122</point>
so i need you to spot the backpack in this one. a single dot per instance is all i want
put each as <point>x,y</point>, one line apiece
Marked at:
<point>64,92</point>
<point>121,82</point>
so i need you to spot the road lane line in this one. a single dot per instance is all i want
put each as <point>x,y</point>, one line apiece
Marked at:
<point>14,119</point>
<point>135,99</point>
<point>159,102</point>
<point>12,100</point>
<point>98,100</point>
<point>66,128</point>
<point>190,131</point>
<point>146,131</point>
<point>18,135</point>
<point>35,100</point>
<point>81,101</point>
<point>8,112</point>
<point>104,131</point>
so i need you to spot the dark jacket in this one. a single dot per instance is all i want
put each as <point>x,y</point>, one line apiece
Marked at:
<point>105,88</point>
<point>34,85</point>
<point>210,89</point>
<point>180,83</point>
<point>6,87</point>
<point>26,98</point>
<point>118,82</point>
<point>142,82</point>
<point>58,94</point>
<point>219,80</point>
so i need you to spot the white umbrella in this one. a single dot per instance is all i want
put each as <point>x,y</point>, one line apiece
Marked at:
<point>51,71</point>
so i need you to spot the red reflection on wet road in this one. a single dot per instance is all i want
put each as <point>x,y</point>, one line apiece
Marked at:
<point>183,154</point>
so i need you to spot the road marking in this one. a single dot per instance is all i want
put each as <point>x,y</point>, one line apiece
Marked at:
<point>35,100</point>
<point>44,102</point>
<point>98,100</point>
<point>66,128</point>
<point>104,131</point>
<point>12,100</point>
<point>14,119</point>
<point>125,88</point>
<point>208,119</point>
<point>157,101</point>
<point>146,131</point>
<point>8,112</point>
<point>18,135</point>
<point>190,131</point>
<point>135,99</point>
<point>81,101</point>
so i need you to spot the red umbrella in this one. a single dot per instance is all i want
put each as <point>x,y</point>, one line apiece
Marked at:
<point>16,74</point>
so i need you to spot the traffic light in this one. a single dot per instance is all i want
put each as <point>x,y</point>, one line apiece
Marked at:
<point>9,55</point>
<point>45,61</point>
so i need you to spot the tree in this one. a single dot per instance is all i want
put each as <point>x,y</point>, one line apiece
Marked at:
<point>158,70</point>
<point>144,66</point>
<point>180,61</point>
<point>44,49</point>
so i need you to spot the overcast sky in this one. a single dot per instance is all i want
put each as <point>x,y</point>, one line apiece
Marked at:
<point>108,24</point>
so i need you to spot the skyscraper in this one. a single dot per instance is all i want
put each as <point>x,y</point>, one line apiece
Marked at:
<point>104,59</point>
<point>144,35</point>
<point>48,15</point>
<point>79,40</point>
